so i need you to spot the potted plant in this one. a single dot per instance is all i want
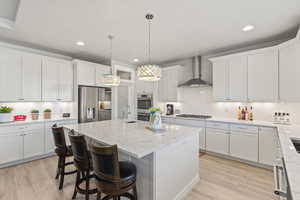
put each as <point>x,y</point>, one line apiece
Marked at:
<point>155,118</point>
<point>35,114</point>
<point>47,113</point>
<point>5,114</point>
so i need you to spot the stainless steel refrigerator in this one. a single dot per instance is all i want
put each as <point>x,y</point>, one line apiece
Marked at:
<point>94,104</point>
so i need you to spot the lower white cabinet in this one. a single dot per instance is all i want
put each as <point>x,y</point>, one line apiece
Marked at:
<point>267,145</point>
<point>217,141</point>
<point>202,139</point>
<point>11,147</point>
<point>33,143</point>
<point>244,145</point>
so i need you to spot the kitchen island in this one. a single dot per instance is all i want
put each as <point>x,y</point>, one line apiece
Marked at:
<point>167,163</point>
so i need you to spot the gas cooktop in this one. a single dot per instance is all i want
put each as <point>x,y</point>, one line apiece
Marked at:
<point>194,116</point>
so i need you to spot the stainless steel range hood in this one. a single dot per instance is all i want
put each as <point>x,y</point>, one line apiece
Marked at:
<point>196,81</point>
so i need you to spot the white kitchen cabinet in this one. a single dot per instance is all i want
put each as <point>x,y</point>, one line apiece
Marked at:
<point>220,81</point>
<point>11,147</point>
<point>217,141</point>
<point>289,70</point>
<point>86,73</point>
<point>101,70</point>
<point>145,87</point>
<point>57,80</point>
<point>267,145</point>
<point>10,75</point>
<point>49,140</point>
<point>34,142</point>
<point>237,78</point>
<point>244,145</point>
<point>202,139</point>
<point>263,75</point>
<point>168,85</point>
<point>31,77</point>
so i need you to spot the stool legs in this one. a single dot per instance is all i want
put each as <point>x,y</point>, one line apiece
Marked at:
<point>62,172</point>
<point>77,182</point>
<point>87,185</point>
<point>135,193</point>
<point>58,168</point>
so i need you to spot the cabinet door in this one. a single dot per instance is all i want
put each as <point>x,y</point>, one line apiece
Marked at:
<point>50,79</point>
<point>31,77</point>
<point>267,146</point>
<point>10,75</point>
<point>49,140</point>
<point>86,73</point>
<point>289,71</point>
<point>172,85</point>
<point>237,78</point>
<point>163,86</point>
<point>11,146</point>
<point>66,81</point>
<point>33,143</point>
<point>217,141</point>
<point>244,145</point>
<point>202,139</point>
<point>101,70</point>
<point>220,83</point>
<point>263,76</point>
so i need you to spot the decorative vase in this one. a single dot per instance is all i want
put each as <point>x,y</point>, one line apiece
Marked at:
<point>47,115</point>
<point>35,116</point>
<point>155,120</point>
<point>6,117</point>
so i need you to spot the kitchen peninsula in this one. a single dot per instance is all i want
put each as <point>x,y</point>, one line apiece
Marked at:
<point>167,163</point>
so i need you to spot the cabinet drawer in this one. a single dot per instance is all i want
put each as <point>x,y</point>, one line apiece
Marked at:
<point>243,128</point>
<point>189,122</point>
<point>218,125</point>
<point>217,141</point>
<point>11,129</point>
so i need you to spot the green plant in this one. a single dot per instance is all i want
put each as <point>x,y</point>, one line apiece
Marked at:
<point>35,111</point>
<point>153,110</point>
<point>47,110</point>
<point>5,109</point>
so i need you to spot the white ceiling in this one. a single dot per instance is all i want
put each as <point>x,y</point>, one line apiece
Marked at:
<point>181,28</point>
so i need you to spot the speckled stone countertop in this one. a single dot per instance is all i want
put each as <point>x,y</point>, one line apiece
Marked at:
<point>133,138</point>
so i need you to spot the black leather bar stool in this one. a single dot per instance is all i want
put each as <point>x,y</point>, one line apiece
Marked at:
<point>82,161</point>
<point>113,178</point>
<point>62,151</point>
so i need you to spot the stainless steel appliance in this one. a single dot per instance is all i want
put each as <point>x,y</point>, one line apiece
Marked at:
<point>281,184</point>
<point>94,104</point>
<point>144,103</point>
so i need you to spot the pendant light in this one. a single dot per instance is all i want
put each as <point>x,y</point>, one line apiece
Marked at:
<point>149,72</point>
<point>110,79</point>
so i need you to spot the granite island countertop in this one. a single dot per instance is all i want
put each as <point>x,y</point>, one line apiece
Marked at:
<point>133,138</point>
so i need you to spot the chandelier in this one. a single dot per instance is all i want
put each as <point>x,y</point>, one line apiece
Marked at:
<point>149,72</point>
<point>111,79</point>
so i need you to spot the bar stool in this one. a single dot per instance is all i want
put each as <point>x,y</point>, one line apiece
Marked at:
<point>82,161</point>
<point>113,178</point>
<point>62,151</point>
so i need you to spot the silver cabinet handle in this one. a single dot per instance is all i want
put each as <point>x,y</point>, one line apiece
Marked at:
<point>278,191</point>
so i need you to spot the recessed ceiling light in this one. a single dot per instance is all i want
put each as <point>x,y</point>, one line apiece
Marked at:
<point>248,28</point>
<point>135,60</point>
<point>80,43</point>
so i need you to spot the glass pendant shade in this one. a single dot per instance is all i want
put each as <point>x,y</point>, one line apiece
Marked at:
<point>149,72</point>
<point>111,80</point>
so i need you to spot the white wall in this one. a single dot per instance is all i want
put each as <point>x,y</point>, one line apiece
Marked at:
<point>57,107</point>
<point>200,101</point>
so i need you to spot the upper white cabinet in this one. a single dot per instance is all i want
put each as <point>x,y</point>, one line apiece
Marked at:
<point>220,81</point>
<point>57,80</point>
<point>10,75</point>
<point>289,70</point>
<point>167,86</point>
<point>91,74</point>
<point>230,79</point>
<point>263,75</point>
<point>31,77</point>
<point>249,76</point>
<point>237,78</point>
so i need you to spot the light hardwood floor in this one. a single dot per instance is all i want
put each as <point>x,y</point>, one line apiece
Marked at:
<point>220,180</point>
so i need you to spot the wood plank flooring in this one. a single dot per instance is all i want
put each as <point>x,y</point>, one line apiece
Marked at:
<point>220,180</point>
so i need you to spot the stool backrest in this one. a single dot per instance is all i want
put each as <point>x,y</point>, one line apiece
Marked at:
<point>59,137</point>
<point>79,149</point>
<point>106,162</point>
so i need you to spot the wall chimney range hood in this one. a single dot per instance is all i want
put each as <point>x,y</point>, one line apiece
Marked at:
<point>196,81</point>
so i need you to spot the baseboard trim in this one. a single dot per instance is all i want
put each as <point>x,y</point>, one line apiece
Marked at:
<point>187,188</point>
<point>13,163</point>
